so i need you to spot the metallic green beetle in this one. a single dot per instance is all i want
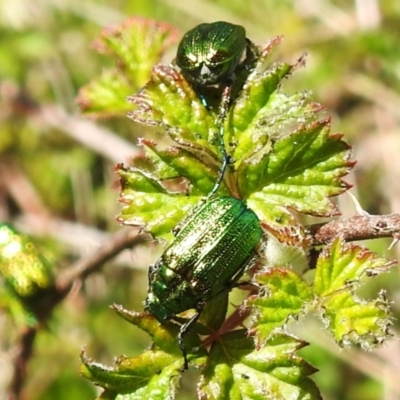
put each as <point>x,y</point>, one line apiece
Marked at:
<point>212,249</point>
<point>209,53</point>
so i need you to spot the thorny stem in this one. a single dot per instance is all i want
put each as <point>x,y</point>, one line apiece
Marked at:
<point>125,238</point>
<point>24,352</point>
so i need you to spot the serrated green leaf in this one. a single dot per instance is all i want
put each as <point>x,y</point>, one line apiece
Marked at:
<point>236,370</point>
<point>106,96</point>
<point>136,44</point>
<point>137,180</point>
<point>165,335</point>
<point>147,203</point>
<point>246,117</point>
<point>340,268</point>
<point>174,162</point>
<point>300,171</point>
<point>146,376</point>
<point>163,381</point>
<point>283,296</point>
<point>168,100</point>
<point>354,321</point>
<point>270,114</point>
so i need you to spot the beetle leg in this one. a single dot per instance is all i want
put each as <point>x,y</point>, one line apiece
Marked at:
<point>222,112</point>
<point>185,328</point>
<point>251,56</point>
<point>233,282</point>
<point>225,162</point>
<point>253,53</point>
<point>203,100</point>
<point>246,285</point>
<point>152,270</point>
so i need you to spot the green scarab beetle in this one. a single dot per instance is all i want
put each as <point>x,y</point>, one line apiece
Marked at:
<point>212,249</point>
<point>209,53</point>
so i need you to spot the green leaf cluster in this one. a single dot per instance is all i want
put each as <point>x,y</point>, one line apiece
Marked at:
<point>341,269</point>
<point>26,274</point>
<point>136,45</point>
<point>284,160</point>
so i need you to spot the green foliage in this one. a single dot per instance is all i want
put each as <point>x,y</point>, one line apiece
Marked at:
<point>26,273</point>
<point>238,370</point>
<point>298,168</point>
<point>136,45</point>
<point>45,58</point>
<point>284,158</point>
<point>338,273</point>
<point>235,368</point>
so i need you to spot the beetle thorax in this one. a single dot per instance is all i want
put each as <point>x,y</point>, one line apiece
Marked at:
<point>203,61</point>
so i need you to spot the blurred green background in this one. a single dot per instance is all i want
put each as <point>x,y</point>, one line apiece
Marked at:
<point>57,182</point>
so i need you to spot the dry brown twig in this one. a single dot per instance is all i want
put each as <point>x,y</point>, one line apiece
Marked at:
<point>359,227</point>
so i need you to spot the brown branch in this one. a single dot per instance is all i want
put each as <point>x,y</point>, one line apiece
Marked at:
<point>23,354</point>
<point>359,227</point>
<point>51,297</point>
<point>123,239</point>
<point>89,133</point>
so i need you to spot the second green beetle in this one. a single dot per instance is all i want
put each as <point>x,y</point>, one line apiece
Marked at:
<point>209,53</point>
<point>212,54</point>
